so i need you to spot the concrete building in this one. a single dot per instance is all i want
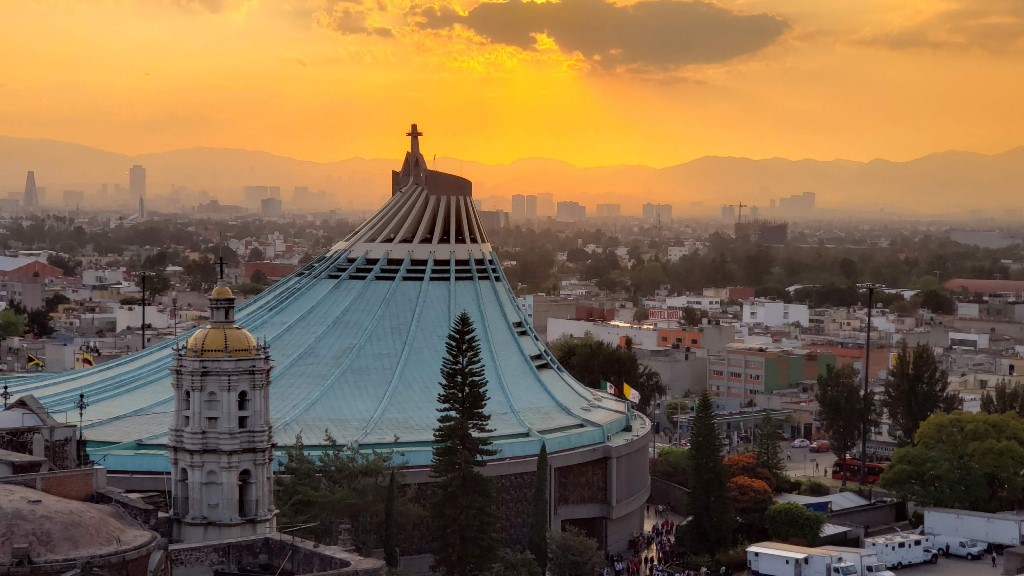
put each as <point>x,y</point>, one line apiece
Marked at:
<point>657,213</point>
<point>30,199</point>
<point>271,208</point>
<point>518,208</point>
<point>570,212</point>
<point>744,371</point>
<point>609,210</point>
<point>769,232</point>
<point>774,313</point>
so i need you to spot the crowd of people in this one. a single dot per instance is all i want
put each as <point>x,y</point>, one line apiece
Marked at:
<point>652,552</point>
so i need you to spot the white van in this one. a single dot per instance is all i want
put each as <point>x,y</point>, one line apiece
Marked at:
<point>957,546</point>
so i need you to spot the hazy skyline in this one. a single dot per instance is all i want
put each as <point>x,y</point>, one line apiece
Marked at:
<point>584,81</point>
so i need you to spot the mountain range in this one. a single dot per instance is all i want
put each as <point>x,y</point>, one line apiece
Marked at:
<point>941,183</point>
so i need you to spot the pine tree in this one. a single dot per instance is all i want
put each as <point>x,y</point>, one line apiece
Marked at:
<point>390,524</point>
<point>462,508</point>
<point>844,409</point>
<point>710,529</point>
<point>537,540</point>
<point>914,389</point>
<point>767,450</point>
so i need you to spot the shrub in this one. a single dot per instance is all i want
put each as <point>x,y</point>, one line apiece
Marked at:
<point>815,488</point>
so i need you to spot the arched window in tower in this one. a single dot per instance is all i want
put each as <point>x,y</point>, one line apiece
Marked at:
<point>211,494</point>
<point>247,503</point>
<point>212,409</point>
<point>243,406</point>
<point>181,494</point>
<point>186,401</point>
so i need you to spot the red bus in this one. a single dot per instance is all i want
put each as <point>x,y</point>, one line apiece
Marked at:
<point>852,471</point>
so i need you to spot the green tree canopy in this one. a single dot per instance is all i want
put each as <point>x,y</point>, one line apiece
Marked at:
<point>710,527</point>
<point>537,536</point>
<point>794,523</point>
<point>462,507</point>
<point>572,553</point>
<point>672,465</point>
<point>590,361</point>
<point>962,460</point>
<point>12,323</point>
<point>767,450</point>
<point>914,389</point>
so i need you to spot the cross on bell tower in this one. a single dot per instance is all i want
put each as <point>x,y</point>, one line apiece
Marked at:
<point>414,134</point>
<point>220,264</point>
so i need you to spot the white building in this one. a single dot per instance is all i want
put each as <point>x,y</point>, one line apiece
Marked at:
<point>688,247</point>
<point>774,313</point>
<point>526,305</point>
<point>969,341</point>
<point>706,303</point>
<point>130,316</point>
<point>613,333</point>
<point>220,447</point>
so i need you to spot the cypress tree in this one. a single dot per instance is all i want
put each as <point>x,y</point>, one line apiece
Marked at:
<point>537,540</point>
<point>710,529</point>
<point>463,505</point>
<point>390,527</point>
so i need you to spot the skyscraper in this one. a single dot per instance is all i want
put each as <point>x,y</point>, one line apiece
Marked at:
<point>531,207</point>
<point>518,207</point>
<point>31,200</point>
<point>137,188</point>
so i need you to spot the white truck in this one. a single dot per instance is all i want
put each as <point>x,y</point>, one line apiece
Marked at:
<point>867,560</point>
<point>1000,529</point>
<point>774,559</point>
<point>899,550</point>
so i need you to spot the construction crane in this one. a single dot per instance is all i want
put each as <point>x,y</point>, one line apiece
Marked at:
<point>739,210</point>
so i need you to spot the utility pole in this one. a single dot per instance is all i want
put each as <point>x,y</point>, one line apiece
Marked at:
<point>143,274</point>
<point>867,375</point>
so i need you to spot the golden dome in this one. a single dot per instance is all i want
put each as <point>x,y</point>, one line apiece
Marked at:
<point>221,342</point>
<point>221,292</point>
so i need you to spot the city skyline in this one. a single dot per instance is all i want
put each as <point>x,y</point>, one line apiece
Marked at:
<point>775,78</point>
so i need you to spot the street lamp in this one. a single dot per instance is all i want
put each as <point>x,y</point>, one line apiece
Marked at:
<point>867,376</point>
<point>174,310</point>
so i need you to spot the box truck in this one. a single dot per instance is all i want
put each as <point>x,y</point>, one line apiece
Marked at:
<point>899,550</point>
<point>774,559</point>
<point>867,560</point>
<point>999,529</point>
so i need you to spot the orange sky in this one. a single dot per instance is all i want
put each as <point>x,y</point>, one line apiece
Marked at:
<point>654,82</point>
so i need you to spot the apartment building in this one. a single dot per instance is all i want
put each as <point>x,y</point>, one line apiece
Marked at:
<point>745,370</point>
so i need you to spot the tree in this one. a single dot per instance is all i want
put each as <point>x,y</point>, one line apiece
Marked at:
<point>750,498</point>
<point>38,323</point>
<point>200,274</point>
<point>914,388</point>
<point>69,266</point>
<point>672,465</point>
<point>12,324</point>
<point>710,529</point>
<point>156,283</point>
<point>794,523</point>
<point>52,303</point>
<point>590,361</point>
<point>746,465</point>
<point>646,278</point>
<point>390,524</point>
<point>936,301</point>
<point>537,537</point>
<point>462,507</point>
<point>691,316</point>
<point>510,563</point>
<point>844,409</point>
<point>766,447</point>
<point>848,268</point>
<point>573,553</point>
<point>255,255</point>
<point>962,460</point>
<point>259,277</point>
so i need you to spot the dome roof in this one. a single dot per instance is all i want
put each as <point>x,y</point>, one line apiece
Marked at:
<point>221,292</point>
<point>55,528</point>
<point>221,342</point>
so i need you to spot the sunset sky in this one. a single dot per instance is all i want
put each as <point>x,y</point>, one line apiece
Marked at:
<point>655,82</point>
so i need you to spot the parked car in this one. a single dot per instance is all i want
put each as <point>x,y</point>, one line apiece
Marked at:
<point>819,446</point>
<point>800,443</point>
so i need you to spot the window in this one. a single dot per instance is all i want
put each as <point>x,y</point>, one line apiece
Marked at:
<point>753,315</point>
<point>902,545</point>
<point>735,374</point>
<point>186,401</point>
<point>717,373</point>
<point>243,401</point>
<point>211,423</point>
<point>212,403</point>
<point>243,422</point>
<point>664,338</point>
<point>754,377</point>
<point>693,340</point>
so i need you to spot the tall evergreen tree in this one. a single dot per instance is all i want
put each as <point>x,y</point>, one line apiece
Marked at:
<point>767,450</point>
<point>537,539</point>
<point>844,409</point>
<point>391,524</point>
<point>914,389</point>
<point>462,509</point>
<point>710,528</point>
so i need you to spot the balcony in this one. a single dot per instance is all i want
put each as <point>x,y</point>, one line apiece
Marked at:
<point>179,506</point>
<point>248,508</point>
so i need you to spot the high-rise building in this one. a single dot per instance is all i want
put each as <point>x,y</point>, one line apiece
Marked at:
<point>608,210</point>
<point>546,204</point>
<point>253,195</point>
<point>657,213</point>
<point>271,207</point>
<point>570,212</point>
<point>531,207</point>
<point>30,200</point>
<point>137,182</point>
<point>518,207</point>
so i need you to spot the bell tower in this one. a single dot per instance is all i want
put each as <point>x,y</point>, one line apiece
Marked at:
<point>220,444</point>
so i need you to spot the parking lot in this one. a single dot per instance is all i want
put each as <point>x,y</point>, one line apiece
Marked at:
<point>955,567</point>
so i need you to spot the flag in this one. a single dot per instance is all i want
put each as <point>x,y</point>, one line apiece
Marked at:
<point>608,387</point>
<point>34,360</point>
<point>630,394</point>
<point>87,360</point>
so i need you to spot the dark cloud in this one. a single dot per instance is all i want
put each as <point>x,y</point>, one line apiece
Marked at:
<point>986,25</point>
<point>650,35</point>
<point>352,17</point>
